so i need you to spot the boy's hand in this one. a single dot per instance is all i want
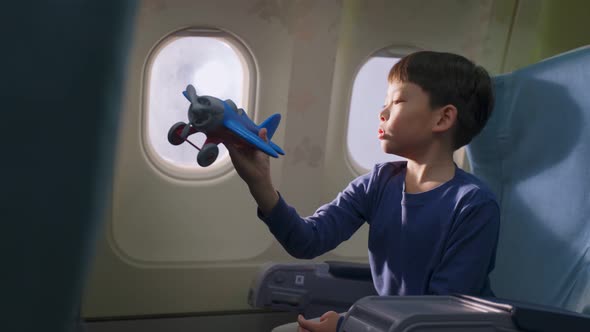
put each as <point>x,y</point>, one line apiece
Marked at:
<point>328,323</point>
<point>252,165</point>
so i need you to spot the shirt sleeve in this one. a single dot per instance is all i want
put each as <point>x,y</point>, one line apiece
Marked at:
<point>329,226</point>
<point>339,324</point>
<point>470,252</point>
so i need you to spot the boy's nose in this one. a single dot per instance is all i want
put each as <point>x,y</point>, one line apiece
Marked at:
<point>383,115</point>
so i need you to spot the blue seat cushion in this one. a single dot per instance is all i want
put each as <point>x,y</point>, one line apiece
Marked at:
<point>535,155</point>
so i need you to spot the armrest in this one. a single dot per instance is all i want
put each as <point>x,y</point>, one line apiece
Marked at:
<point>311,288</point>
<point>349,270</point>
<point>457,313</point>
<point>541,318</point>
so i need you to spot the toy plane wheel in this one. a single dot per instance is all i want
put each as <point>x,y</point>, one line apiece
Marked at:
<point>174,133</point>
<point>207,155</point>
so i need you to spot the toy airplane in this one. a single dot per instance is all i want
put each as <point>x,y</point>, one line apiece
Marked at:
<point>221,121</point>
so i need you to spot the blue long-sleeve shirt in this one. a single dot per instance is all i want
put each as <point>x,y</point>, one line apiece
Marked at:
<point>438,242</point>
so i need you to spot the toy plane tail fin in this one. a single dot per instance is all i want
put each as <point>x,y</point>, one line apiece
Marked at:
<point>271,124</point>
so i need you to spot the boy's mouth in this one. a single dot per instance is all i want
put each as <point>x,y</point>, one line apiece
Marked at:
<point>381,133</point>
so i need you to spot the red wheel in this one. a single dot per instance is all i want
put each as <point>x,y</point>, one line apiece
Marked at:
<point>207,155</point>
<point>174,133</point>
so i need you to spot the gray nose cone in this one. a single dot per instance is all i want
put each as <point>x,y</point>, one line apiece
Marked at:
<point>205,114</point>
<point>198,115</point>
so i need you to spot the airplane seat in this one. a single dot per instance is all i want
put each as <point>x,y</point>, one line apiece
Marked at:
<point>62,82</point>
<point>534,154</point>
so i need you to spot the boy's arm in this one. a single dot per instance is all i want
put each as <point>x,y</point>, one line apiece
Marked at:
<point>329,226</point>
<point>253,166</point>
<point>265,196</point>
<point>470,253</point>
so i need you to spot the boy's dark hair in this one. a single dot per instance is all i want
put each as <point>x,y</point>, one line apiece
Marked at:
<point>450,79</point>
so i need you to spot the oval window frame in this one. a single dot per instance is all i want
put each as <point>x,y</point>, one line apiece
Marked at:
<point>247,59</point>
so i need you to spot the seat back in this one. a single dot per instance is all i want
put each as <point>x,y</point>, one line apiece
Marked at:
<point>535,154</point>
<point>62,81</point>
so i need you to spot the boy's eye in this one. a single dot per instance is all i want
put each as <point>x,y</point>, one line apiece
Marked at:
<point>397,101</point>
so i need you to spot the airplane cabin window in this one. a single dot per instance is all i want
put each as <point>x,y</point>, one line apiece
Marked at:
<point>215,66</point>
<point>368,94</point>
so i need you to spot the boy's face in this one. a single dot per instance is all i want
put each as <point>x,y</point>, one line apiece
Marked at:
<point>406,120</point>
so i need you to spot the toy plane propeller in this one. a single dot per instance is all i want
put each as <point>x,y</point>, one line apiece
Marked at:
<point>221,121</point>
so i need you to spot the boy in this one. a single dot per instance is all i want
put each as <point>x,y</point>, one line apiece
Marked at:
<point>433,227</point>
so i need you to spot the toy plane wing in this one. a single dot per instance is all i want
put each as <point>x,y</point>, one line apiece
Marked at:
<point>250,137</point>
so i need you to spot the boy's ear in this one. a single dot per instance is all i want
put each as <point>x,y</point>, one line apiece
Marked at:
<point>445,119</point>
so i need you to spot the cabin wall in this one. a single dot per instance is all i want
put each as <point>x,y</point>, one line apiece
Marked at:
<point>564,26</point>
<point>545,28</point>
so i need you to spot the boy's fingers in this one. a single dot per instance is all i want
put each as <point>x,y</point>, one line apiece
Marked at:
<point>233,150</point>
<point>262,133</point>
<point>307,324</point>
<point>235,146</point>
<point>230,147</point>
<point>327,315</point>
